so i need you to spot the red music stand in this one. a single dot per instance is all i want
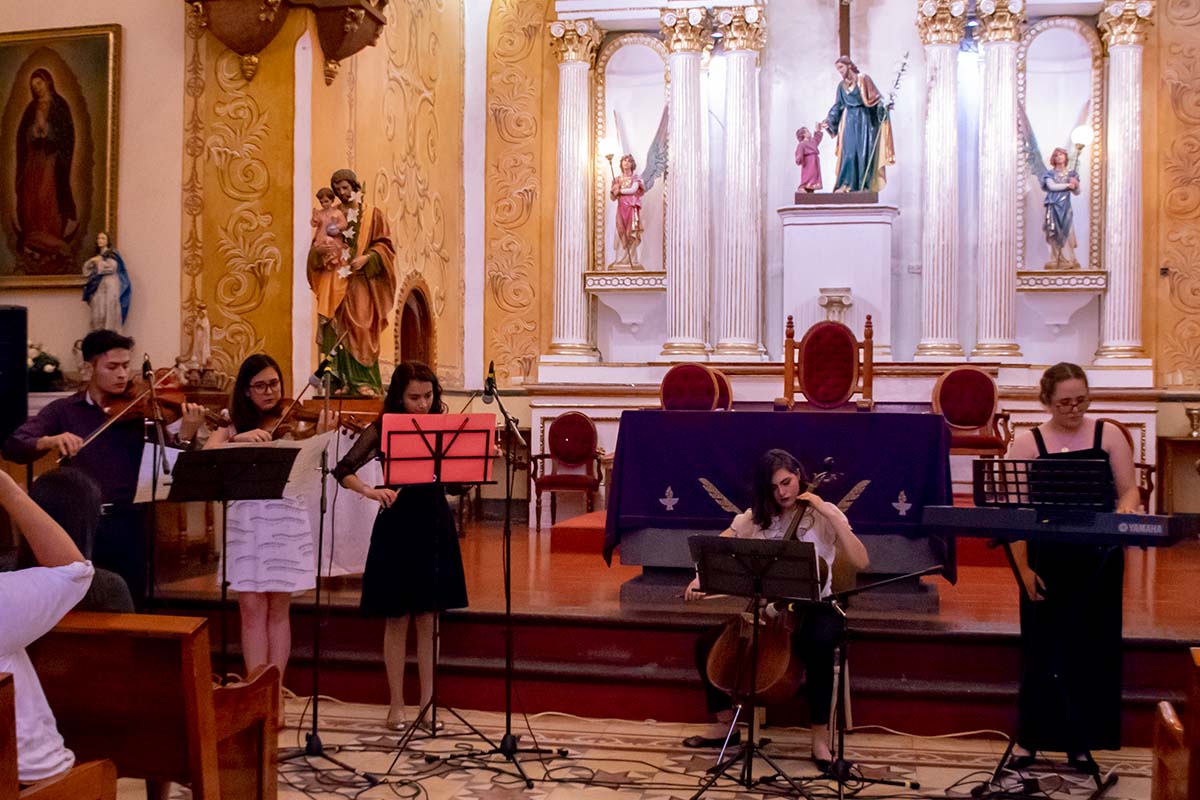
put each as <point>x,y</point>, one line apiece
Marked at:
<point>437,448</point>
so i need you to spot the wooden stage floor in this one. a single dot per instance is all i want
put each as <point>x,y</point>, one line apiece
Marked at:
<point>1162,601</point>
<point>578,651</point>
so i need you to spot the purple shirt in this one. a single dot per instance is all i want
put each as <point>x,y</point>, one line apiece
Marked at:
<point>112,460</point>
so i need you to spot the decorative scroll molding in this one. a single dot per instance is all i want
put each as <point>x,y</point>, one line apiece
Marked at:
<point>1095,121</point>
<point>1000,23</point>
<point>1178,203</point>
<point>1126,22</point>
<point>574,40</point>
<point>942,21</point>
<point>515,202</point>
<point>600,201</point>
<point>744,28</point>
<point>687,30</point>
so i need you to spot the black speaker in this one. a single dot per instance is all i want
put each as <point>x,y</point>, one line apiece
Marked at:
<point>14,375</point>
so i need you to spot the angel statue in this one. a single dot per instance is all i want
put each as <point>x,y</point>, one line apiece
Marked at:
<point>627,190</point>
<point>1059,181</point>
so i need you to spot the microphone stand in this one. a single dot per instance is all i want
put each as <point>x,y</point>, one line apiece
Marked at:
<point>158,451</point>
<point>313,746</point>
<point>509,743</point>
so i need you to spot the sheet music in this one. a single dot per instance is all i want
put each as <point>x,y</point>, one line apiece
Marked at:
<point>145,482</point>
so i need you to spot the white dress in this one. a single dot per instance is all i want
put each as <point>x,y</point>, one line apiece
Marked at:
<point>270,546</point>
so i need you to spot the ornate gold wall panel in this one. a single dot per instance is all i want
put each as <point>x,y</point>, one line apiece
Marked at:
<point>1173,70</point>
<point>522,89</point>
<point>398,108</point>
<point>237,196</point>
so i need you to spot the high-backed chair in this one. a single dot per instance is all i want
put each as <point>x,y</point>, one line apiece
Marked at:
<point>1145,472</point>
<point>828,366</point>
<point>689,387</point>
<point>969,400</point>
<point>572,465</point>
<point>1175,773</point>
<point>724,390</point>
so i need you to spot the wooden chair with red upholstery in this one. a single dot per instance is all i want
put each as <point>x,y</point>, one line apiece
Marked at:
<point>724,390</point>
<point>1175,771</point>
<point>969,400</point>
<point>828,366</point>
<point>572,465</point>
<point>689,387</point>
<point>1145,472</point>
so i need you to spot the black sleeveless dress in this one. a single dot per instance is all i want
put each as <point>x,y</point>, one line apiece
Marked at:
<point>1070,696</point>
<point>414,564</point>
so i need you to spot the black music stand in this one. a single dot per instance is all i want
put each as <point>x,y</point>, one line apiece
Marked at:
<point>222,475</point>
<point>424,449</point>
<point>760,570</point>
<point>1057,489</point>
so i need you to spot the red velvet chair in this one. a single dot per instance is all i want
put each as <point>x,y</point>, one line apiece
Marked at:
<point>969,400</point>
<point>724,390</point>
<point>1144,471</point>
<point>572,465</point>
<point>828,366</point>
<point>689,387</point>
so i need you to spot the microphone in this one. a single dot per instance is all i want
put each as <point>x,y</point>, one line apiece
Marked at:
<point>317,379</point>
<point>147,368</point>
<point>489,385</point>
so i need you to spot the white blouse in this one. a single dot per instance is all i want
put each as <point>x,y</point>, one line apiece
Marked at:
<point>814,527</point>
<point>32,602</point>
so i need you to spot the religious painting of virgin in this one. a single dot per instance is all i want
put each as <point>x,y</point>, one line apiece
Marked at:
<point>58,151</point>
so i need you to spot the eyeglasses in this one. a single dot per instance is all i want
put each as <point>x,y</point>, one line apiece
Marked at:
<point>265,387</point>
<point>1079,403</point>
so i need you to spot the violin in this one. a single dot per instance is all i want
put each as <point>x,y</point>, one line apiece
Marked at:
<point>300,422</point>
<point>778,673</point>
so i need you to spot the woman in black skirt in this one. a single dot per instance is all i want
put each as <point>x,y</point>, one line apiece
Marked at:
<point>414,567</point>
<point>1070,695</point>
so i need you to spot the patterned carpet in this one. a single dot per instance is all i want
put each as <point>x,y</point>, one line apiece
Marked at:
<point>639,761</point>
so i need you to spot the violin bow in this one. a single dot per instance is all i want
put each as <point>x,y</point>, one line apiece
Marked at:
<point>91,437</point>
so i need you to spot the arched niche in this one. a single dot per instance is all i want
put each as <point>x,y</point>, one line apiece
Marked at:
<point>1060,90</point>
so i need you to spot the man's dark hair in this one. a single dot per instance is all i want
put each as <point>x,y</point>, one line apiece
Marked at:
<point>97,343</point>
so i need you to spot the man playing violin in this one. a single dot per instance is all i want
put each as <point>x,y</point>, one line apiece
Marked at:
<point>112,459</point>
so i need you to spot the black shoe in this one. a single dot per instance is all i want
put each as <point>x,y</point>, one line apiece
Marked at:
<point>1083,764</point>
<point>823,764</point>
<point>698,742</point>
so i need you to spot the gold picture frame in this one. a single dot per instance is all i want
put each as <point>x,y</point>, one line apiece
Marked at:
<point>59,127</point>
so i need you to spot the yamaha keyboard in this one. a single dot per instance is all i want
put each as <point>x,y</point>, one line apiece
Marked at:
<point>1061,525</point>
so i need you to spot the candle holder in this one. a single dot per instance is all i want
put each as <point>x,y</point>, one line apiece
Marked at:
<point>1193,415</point>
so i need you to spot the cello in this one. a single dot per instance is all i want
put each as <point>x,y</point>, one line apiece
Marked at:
<point>777,672</point>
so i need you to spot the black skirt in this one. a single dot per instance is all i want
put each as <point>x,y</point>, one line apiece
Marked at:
<point>1070,698</point>
<point>414,565</point>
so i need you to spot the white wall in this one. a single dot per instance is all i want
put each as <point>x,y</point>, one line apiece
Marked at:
<point>475,39</point>
<point>150,169</point>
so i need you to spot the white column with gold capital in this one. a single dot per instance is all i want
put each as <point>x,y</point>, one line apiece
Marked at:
<point>941,24</point>
<point>686,32</point>
<point>1123,26</point>
<point>999,36</point>
<point>574,44</point>
<point>737,265</point>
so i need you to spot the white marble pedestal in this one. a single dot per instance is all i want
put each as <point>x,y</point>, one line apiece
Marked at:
<point>840,246</point>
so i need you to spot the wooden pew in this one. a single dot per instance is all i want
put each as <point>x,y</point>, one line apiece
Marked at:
<point>138,689</point>
<point>96,780</point>
<point>1176,767</point>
